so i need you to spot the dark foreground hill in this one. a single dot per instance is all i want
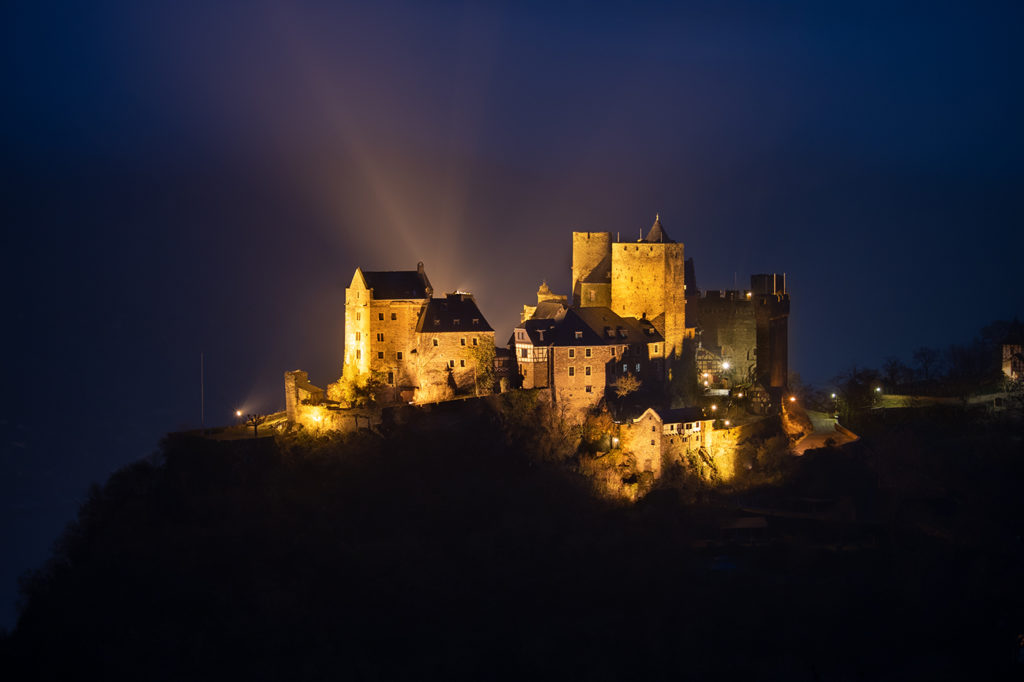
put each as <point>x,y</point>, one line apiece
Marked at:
<point>444,550</point>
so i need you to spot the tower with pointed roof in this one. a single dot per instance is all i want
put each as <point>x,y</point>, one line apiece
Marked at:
<point>647,282</point>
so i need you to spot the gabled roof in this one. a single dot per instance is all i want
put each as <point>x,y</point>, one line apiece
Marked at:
<point>680,415</point>
<point>549,310</point>
<point>540,331</point>
<point>614,329</point>
<point>393,284</point>
<point>657,233</point>
<point>453,313</point>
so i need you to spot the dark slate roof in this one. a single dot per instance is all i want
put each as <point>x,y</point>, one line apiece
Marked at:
<point>549,310</point>
<point>600,326</point>
<point>680,415</point>
<point>602,273</point>
<point>657,233</point>
<point>453,313</point>
<point>392,284</point>
<point>541,331</point>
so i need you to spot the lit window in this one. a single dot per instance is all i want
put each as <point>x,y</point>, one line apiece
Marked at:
<point>572,352</point>
<point>587,352</point>
<point>394,316</point>
<point>398,355</point>
<point>435,343</point>
<point>586,370</point>
<point>380,355</point>
<point>462,363</point>
<point>572,371</point>
<point>462,341</point>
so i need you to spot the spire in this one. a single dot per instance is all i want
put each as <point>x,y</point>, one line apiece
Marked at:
<point>657,232</point>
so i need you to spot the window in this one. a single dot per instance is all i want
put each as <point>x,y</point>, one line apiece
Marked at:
<point>451,363</point>
<point>462,363</point>
<point>394,316</point>
<point>587,352</point>
<point>625,367</point>
<point>398,355</point>
<point>476,320</point>
<point>455,322</point>
<point>579,335</point>
<point>359,354</point>
<point>391,377</point>
<point>519,335</point>
<point>437,321</point>
<point>586,370</point>
<point>359,316</point>
<point>638,368</point>
<point>435,343</point>
<point>462,341</point>
<point>359,336</point>
<point>652,429</point>
<point>572,352</point>
<point>652,442</point>
<point>380,355</point>
<point>475,341</point>
<point>522,352</point>
<point>591,292</point>
<point>380,337</point>
<point>572,371</point>
<point>589,389</point>
<point>655,348</point>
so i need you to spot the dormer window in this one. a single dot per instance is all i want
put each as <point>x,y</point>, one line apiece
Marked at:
<point>476,320</point>
<point>437,321</point>
<point>540,334</point>
<point>456,322</point>
<point>579,335</point>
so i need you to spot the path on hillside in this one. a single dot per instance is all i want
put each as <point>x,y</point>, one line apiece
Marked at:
<point>824,428</point>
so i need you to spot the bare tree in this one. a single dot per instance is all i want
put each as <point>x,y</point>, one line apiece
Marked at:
<point>254,420</point>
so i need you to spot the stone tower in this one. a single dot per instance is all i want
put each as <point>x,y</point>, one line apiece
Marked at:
<point>648,282</point>
<point>591,269</point>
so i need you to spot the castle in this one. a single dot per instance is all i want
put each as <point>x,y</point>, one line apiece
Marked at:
<point>634,312</point>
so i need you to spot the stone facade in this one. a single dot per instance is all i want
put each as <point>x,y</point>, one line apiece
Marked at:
<point>298,390</point>
<point>424,348</point>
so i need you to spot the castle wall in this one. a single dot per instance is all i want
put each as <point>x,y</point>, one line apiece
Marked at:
<point>588,250</point>
<point>728,323</point>
<point>772,317</point>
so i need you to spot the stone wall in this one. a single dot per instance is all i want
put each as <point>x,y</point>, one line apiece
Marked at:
<point>320,419</point>
<point>648,282</point>
<point>440,371</point>
<point>727,322</point>
<point>585,387</point>
<point>643,439</point>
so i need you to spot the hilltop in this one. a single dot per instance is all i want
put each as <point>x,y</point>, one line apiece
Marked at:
<point>451,546</point>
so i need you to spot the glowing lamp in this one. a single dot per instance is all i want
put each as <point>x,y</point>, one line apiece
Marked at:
<point>238,413</point>
<point>726,422</point>
<point>792,398</point>
<point>878,389</point>
<point>833,395</point>
<point>714,407</point>
<point>725,365</point>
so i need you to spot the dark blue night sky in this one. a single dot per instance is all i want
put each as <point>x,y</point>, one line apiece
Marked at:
<point>187,178</point>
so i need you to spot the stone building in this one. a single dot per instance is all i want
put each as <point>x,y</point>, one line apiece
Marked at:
<point>1013,361</point>
<point>579,352</point>
<point>659,435</point>
<point>424,348</point>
